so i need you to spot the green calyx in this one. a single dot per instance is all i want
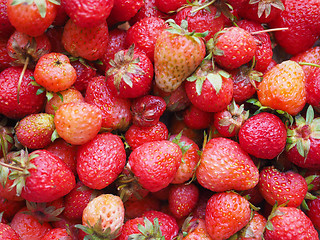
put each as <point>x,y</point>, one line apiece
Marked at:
<point>150,231</point>
<point>265,6</point>
<point>304,129</point>
<point>41,4</point>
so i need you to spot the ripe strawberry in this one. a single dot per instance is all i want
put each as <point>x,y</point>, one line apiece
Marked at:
<point>263,135</point>
<point>282,187</point>
<point>209,88</point>
<point>313,212</point>
<point>290,223</point>
<point>9,208</point>
<point>147,110</point>
<point>177,54</point>
<point>303,141</point>
<point>6,232</point>
<point>144,35</point>
<point>183,199</point>
<point>302,32</point>
<point>115,111</point>
<point>35,130</point>
<point>6,28</point>
<point>124,10</point>
<point>84,74</point>
<point>32,17</point>
<point>100,161</point>
<point>88,43</point>
<point>131,74</point>
<point>5,59</point>
<point>225,166</point>
<point>168,6</point>
<point>254,229</point>
<point>29,101</point>
<point>57,233</point>
<point>312,88</point>
<point>195,229</point>
<point>131,227</point>
<point>154,164</point>
<point>88,14</point>
<point>196,118</point>
<point>54,35</point>
<point>226,214</point>
<point>28,227</point>
<point>58,99</point>
<point>283,88</point>
<point>78,122</point>
<point>103,216</point>
<point>233,47</point>
<point>54,72</point>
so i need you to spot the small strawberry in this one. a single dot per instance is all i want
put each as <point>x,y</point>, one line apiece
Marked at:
<point>177,54</point>
<point>35,130</point>
<point>57,233</point>
<point>168,6</point>
<point>254,229</point>
<point>196,118</point>
<point>313,212</point>
<point>224,165</point>
<point>124,10</point>
<point>263,135</point>
<point>6,232</point>
<point>101,160</point>
<point>78,122</point>
<point>282,187</point>
<point>226,214</point>
<point>84,74</point>
<point>130,75</point>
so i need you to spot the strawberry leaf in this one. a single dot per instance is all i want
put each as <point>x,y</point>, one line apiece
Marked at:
<point>216,81</point>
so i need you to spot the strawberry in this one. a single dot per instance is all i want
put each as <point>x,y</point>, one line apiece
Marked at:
<point>312,88</point>
<point>9,208</point>
<point>32,17</point>
<point>283,88</point>
<point>233,47</point>
<point>101,160</point>
<point>226,214</point>
<point>183,199</point>
<point>136,136</point>
<point>289,223</point>
<point>254,229</point>
<point>313,212</point>
<point>282,187</point>
<point>147,110</point>
<point>131,74</point>
<point>209,88</point>
<point>103,216</point>
<point>263,136</point>
<point>303,141</point>
<point>196,118</point>
<point>35,130</point>
<point>115,111</point>
<point>84,74</point>
<point>187,50</point>
<point>224,165</point>
<point>78,122</point>
<point>88,43</point>
<point>5,59</point>
<point>195,229</point>
<point>124,10</point>
<point>54,35</point>
<point>54,72</point>
<point>5,26</point>
<point>29,101</point>
<point>57,233</point>
<point>154,164</point>
<point>303,32</point>
<point>168,6</point>
<point>88,14</point>
<point>6,232</point>
<point>144,35</point>
<point>131,227</point>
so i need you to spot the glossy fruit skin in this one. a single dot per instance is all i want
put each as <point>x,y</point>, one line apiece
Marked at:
<point>50,180</point>
<point>5,59</point>
<point>124,10</point>
<point>26,17</point>
<point>226,213</point>
<point>84,74</point>
<point>5,26</point>
<point>57,233</point>
<point>88,43</point>
<point>283,88</point>
<point>167,6</point>
<point>313,212</point>
<point>88,14</point>
<point>219,167</point>
<point>130,227</point>
<point>29,101</point>
<point>155,163</point>
<point>293,224</point>
<point>196,118</point>
<point>100,161</point>
<point>276,186</point>
<point>238,47</point>
<point>264,136</point>
<point>313,88</point>
<point>10,207</point>
<point>6,232</point>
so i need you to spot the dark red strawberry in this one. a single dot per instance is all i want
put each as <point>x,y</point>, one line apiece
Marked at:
<point>136,207</point>
<point>196,118</point>
<point>84,74</point>
<point>6,29</point>
<point>55,35</point>
<point>168,6</point>
<point>313,212</point>
<point>5,59</point>
<point>9,208</point>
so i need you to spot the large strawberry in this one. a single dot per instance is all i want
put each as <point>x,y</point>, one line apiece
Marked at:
<point>177,54</point>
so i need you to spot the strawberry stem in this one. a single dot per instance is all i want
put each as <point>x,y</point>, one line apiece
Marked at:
<point>11,167</point>
<point>203,6</point>
<point>21,76</point>
<point>270,30</point>
<point>309,64</point>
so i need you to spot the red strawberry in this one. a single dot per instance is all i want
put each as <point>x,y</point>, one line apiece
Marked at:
<point>154,164</point>
<point>195,229</point>
<point>263,135</point>
<point>115,111</point>
<point>31,17</point>
<point>226,214</point>
<point>6,232</point>
<point>84,74</point>
<point>131,227</point>
<point>5,59</point>
<point>290,223</point>
<point>313,212</point>
<point>100,161</point>
<point>29,101</point>
<point>88,14</point>
<point>196,118</point>
<point>55,35</point>
<point>131,74</point>
<point>5,26</point>
<point>168,6</point>
<point>254,229</point>
<point>57,233</point>
<point>313,88</point>
<point>35,130</point>
<point>225,166</point>
<point>9,208</point>
<point>209,89</point>
<point>124,10</point>
<point>280,187</point>
<point>88,43</point>
<point>177,54</point>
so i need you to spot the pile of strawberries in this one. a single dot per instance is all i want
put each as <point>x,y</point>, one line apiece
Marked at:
<point>159,119</point>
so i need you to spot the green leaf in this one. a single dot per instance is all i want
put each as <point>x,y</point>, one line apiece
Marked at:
<point>216,81</point>
<point>199,84</point>
<point>42,7</point>
<point>309,115</point>
<point>54,135</point>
